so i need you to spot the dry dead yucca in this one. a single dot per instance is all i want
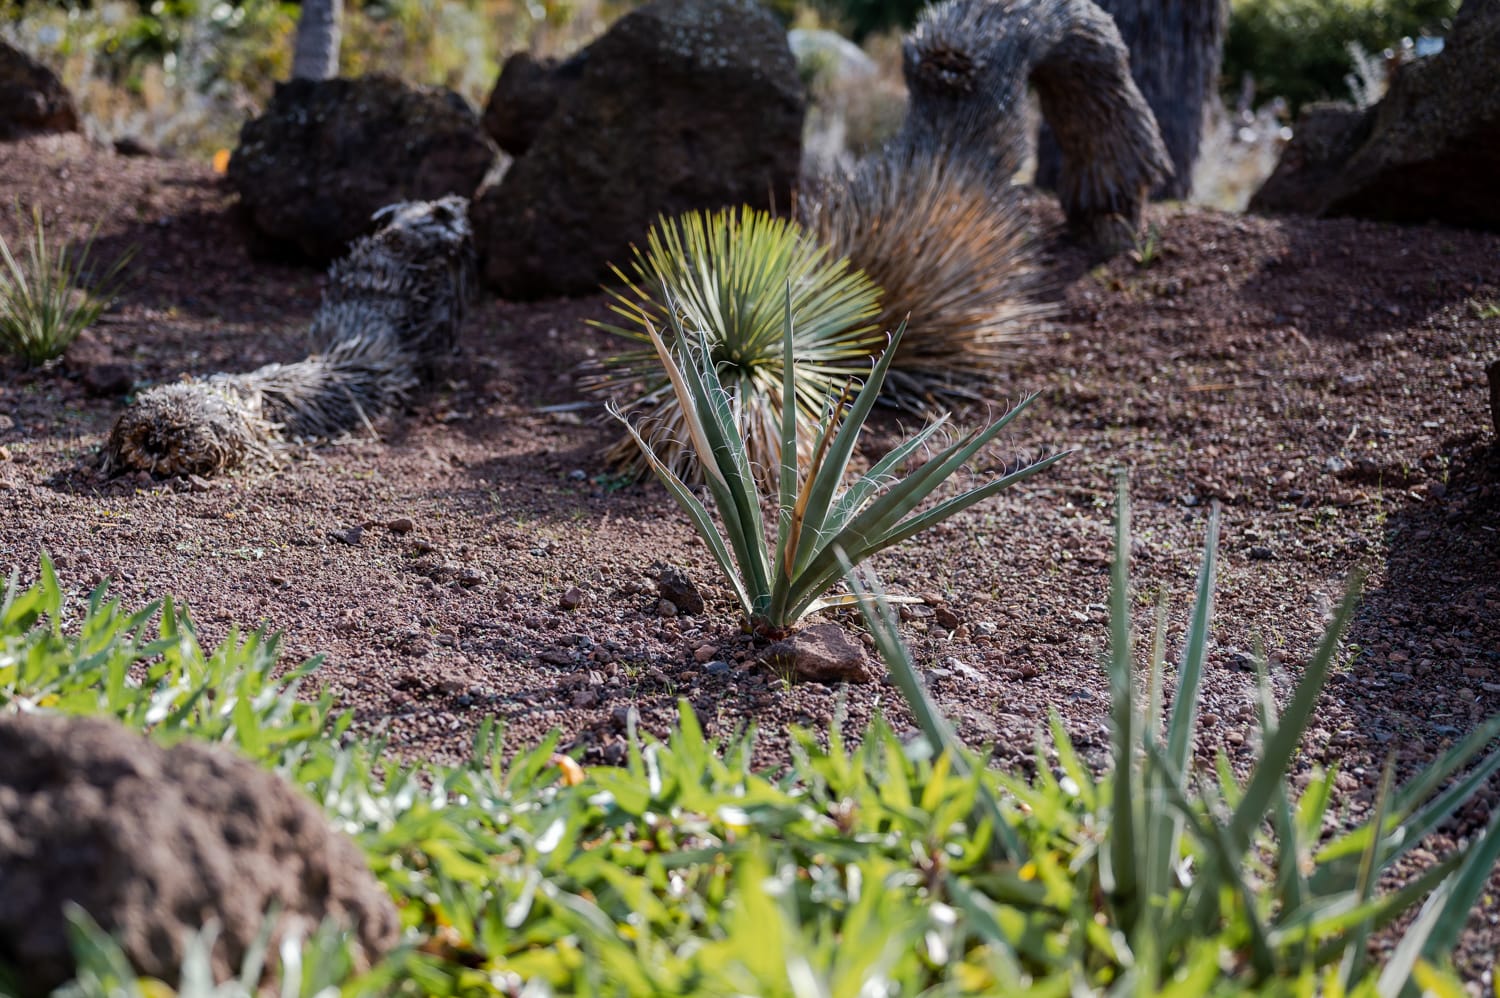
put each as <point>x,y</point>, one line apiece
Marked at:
<point>949,248</point>
<point>392,304</point>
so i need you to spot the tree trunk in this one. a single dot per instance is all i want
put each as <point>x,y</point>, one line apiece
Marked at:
<point>316,56</point>
<point>1176,48</point>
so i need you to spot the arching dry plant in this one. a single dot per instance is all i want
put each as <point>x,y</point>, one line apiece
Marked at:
<point>723,277</point>
<point>394,303</point>
<point>949,248</point>
<point>967,65</point>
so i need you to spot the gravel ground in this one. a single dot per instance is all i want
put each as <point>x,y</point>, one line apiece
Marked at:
<point>1322,381</point>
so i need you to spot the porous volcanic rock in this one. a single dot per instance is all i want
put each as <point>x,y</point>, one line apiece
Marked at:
<point>682,104</point>
<point>1428,151</point>
<point>32,99</point>
<point>326,154</point>
<point>525,96</point>
<point>153,843</point>
<point>1327,134</point>
<point>822,653</point>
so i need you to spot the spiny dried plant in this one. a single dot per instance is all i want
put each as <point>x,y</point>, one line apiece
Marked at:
<point>949,248</point>
<point>392,305</point>
<point>723,277</point>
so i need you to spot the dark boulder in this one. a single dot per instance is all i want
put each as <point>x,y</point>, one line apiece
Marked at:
<point>682,104</point>
<point>326,154</point>
<point>1327,134</point>
<point>32,99</point>
<point>153,843</point>
<point>525,96</point>
<point>1428,151</point>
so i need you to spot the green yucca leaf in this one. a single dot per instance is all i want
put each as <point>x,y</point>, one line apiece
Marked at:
<point>881,622</point>
<point>1440,922</point>
<point>1123,856</point>
<point>1278,751</point>
<point>724,277</point>
<point>816,517</point>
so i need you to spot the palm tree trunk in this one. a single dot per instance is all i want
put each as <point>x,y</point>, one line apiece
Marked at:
<point>316,56</point>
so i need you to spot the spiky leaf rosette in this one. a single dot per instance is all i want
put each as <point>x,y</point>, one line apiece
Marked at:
<point>726,275</point>
<point>951,253</point>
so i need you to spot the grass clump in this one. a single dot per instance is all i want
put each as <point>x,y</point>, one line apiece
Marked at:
<point>888,868</point>
<point>722,277</point>
<point>44,304</point>
<point>818,520</point>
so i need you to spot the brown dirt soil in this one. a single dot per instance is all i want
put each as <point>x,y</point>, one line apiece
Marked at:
<point>1322,380</point>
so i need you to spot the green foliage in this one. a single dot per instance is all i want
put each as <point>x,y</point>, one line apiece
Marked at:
<point>723,277</point>
<point>1298,49</point>
<point>885,868</point>
<point>44,303</point>
<point>183,74</point>
<point>818,521</point>
<point>316,966</point>
<point>1198,874</point>
<point>862,18</point>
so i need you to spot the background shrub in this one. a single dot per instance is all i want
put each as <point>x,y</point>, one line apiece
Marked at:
<point>183,75</point>
<point>1299,49</point>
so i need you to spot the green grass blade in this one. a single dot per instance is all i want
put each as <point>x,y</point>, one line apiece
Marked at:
<point>1276,756</point>
<point>1123,852</point>
<point>1194,653</point>
<point>881,622</point>
<point>1468,882</point>
<point>697,514</point>
<point>1411,828</point>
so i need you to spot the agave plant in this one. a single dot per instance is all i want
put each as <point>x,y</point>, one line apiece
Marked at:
<point>1170,856</point>
<point>722,276</point>
<point>43,302</point>
<point>818,521</point>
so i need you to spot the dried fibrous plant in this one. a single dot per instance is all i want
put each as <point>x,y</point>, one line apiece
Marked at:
<point>723,277</point>
<point>967,65</point>
<point>393,304</point>
<point>948,246</point>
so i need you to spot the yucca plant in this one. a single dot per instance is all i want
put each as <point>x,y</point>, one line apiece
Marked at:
<point>722,276</point>
<point>818,520</point>
<point>1169,857</point>
<point>953,256</point>
<point>44,304</point>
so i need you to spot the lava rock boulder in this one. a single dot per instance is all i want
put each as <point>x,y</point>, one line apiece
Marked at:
<point>33,101</point>
<point>681,105</point>
<point>525,96</point>
<point>1427,151</point>
<point>153,843</point>
<point>326,154</point>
